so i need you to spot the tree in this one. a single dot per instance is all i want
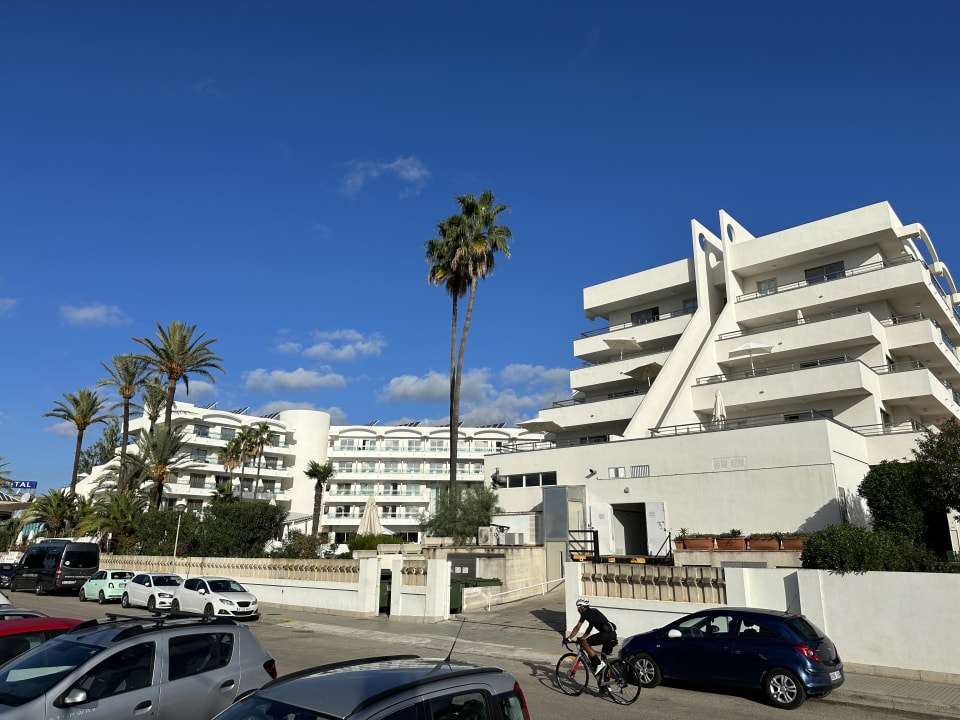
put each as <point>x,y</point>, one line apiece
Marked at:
<point>320,474</point>
<point>118,514</point>
<point>153,397</point>
<point>460,512</point>
<point>898,499</point>
<point>127,375</point>
<point>938,463</point>
<point>245,453</point>
<point>235,529</point>
<point>103,450</point>
<point>55,509</point>
<point>158,452</point>
<point>5,479</point>
<point>83,410</point>
<point>231,459</point>
<point>176,355</point>
<point>157,531</point>
<point>853,549</point>
<point>463,254</point>
<point>260,438</point>
<point>299,545</point>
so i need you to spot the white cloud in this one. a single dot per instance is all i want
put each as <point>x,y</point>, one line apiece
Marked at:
<point>344,345</point>
<point>337,415</point>
<point>409,169</point>
<point>7,305</point>
<point>261,380</point>
<point>288,347</point>
<point>96,314</point>
<point>206,87</point>
<point>519,373</point>
<point>65,429</point>
<point>199,390</point>
<point>433,387</point>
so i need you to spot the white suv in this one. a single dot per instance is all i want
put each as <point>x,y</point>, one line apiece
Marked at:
<point>215,597</point>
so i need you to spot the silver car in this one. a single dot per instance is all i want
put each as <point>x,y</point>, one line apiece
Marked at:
<point>157,667</point>
<point>401,687</point>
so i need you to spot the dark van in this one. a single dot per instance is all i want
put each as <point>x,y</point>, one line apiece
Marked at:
<point>55,565</point>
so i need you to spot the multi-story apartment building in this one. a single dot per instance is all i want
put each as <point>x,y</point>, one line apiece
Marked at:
<point>401,467</point>
<point>749,386</point>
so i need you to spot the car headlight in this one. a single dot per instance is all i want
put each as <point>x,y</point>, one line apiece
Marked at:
<point>224,601</point>
<point>164,595</point>
<point>253,602</point>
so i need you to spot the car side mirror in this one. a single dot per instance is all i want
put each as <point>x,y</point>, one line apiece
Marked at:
<point>201,591</point>
<point>75,697</point>
<point>674,633</point>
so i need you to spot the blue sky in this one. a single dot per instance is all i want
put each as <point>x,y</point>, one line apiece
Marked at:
<point>270,171</point>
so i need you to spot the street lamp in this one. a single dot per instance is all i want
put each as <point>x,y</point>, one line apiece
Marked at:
<point>181,508</point>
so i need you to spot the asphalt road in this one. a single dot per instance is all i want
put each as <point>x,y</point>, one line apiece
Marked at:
<point>299,640</point>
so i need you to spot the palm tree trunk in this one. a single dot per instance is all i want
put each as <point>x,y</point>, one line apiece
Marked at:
<point>317,506</point>
<point>256,483</point>
<point>455,410</point>
<point>76,464</point>
<point>454,402</point>
<point>171,391</point>
<point>122,480</point>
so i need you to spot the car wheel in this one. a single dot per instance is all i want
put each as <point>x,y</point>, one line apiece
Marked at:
<point>38,590</point>
<point>83,595</point>
<point>783,689</point>
<point>101,598</point>
<point>175,606</point>
<point>208,611</point>
<point>152,604</point>
<point>125,600</point>
<point>646,670</point>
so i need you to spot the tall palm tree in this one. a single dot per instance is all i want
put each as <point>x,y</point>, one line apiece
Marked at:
<point>127,375</point>
<point>159,452</point>
<point>464,253</point>
<point>260,438</point>
<point>153,397</point>
<point>83,410</point>
<point>176,355</point>
<point>320,474</point>
<point>231,460</point>
<point>246,442</point>
<point>5,479</point>
<point>117,515</point>
<point>55,509</point>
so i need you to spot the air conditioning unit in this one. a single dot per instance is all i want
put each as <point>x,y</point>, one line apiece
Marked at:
<point>513,539</point>
<point>486,535</point>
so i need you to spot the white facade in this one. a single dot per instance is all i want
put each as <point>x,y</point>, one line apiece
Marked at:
<point>751,385</point>
<point>402,467</point>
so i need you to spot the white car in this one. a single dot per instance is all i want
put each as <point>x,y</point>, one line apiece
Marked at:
<point>216,597</point>
<point>154,591</point>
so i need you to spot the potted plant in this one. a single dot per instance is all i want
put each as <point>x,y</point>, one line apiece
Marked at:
<point>679,538</point>
<point>698,541</point>
<point>731,540</point>
<point>793,540</point>
<point>764,541</point>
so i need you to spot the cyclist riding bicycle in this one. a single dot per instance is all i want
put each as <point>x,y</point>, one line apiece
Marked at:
<point>606,634</point>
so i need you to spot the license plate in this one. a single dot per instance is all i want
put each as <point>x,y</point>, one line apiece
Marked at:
<point>835,675</point>
<point>68,582</point>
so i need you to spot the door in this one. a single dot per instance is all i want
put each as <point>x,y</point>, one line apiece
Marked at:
<point>201,676</point>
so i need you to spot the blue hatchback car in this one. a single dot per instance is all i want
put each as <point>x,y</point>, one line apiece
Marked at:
<point>781,653</point>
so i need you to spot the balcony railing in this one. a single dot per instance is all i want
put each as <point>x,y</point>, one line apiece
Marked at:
<point>624,326</point>
<point>738,423</point>
<point>846,312</point>
<point>628,356</point>
<point>827,277</point>
<point>774,370</point>
<point>600,398</point>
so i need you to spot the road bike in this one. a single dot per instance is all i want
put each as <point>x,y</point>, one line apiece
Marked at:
<point>616,679</point>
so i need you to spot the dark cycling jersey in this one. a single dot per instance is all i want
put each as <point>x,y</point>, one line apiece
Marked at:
<point>606,631</point>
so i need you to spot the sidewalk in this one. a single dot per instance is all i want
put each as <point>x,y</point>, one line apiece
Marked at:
<point>532,630</point>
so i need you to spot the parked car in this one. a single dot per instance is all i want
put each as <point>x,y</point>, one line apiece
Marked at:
<point>6,572</point>
<point>216,597</point>
<point>17,635</point>
<point>54,565</point>
<point>161,667</point>
<point>405,686</point>
<point>105,585</point>
<point>781,653</point>
<point>9,612</point>
<point>154,591</point>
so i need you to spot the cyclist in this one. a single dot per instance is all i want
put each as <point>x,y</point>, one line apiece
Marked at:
<point>606,634</point>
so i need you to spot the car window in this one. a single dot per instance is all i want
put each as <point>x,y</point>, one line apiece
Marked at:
<point>751,629</point>
<point>462,706</point>
<point>13,645</point>
<point>128,669</point>
<point>34,559</point>
<point>510,706</point>
<point>166,580</point>
<point>195,654</point>
<point>98,575</point>
<point>139,579</point>
<point>30,675</point>
<point>80,558</point>
<point>409,712</point>
<point>52,560</point>
<point>254,707</point>
<point>804,628</point>
<point>220,586</point>
<point>720,626</point>
<point>190,584</point>
<point>122,575</point>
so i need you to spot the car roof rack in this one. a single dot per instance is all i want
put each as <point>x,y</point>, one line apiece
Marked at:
<point>154,621</point>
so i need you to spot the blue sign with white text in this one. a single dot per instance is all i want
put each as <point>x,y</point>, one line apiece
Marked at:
<point>24,484</point>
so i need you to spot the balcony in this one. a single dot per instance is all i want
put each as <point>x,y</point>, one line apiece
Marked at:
<point>613,373</point>
<point>593,345</point>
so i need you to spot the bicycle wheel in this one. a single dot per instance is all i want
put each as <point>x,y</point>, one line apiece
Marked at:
<point>572,675</point>
<point>622,690</point>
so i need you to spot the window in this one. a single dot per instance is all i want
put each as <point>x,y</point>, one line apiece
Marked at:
<point>415,445</point>
<point>127,669</point>
<point>470,705</point>
<point>767,287</point>
<point>197,480</point>
<point>510,706</point>
<point>548,478</point>
<point>194,505</point>
<point>201,430</point>
<point>368,467</point>
<point>594,439</point>
<point>346,443</point>
<point>198,455</point>
<point>414,466</point>
<point>345,467</point>
<point>638,471</point>
<point>227,433</point>
<point>748,629</point>
<point>437,446</point>
<point>645,316</point>
<point>195,654</point>
<point>435,468</point>
<point>823,273</point>
<point>391,466</point>
<point>617,472</point>
<point>274,439</point>
<point>391,445</point>
<point>689,306</point>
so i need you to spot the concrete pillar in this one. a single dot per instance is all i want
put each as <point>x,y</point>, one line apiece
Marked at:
<point>437,601</point>
<point>368,588</point>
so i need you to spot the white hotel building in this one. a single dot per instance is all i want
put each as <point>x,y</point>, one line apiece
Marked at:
<point>749,386</point>
<point>402,467</point>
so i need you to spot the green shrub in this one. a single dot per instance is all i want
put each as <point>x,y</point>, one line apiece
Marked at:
<point>853,549</point>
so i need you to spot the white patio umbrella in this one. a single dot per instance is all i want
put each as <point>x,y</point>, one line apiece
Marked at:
<point>750,349</point>
<point>623,344</point>
<point>370,522</point>
<point>719,411</point>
